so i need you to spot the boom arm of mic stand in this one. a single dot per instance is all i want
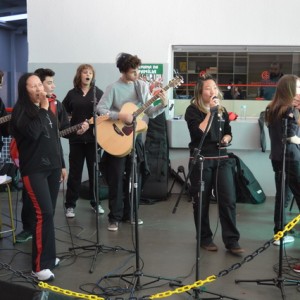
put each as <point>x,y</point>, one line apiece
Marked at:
<point>196,157</point>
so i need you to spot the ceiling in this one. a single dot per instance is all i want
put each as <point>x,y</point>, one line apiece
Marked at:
<point>13,7</point>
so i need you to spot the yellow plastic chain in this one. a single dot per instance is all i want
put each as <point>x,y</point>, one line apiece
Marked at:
<point>184,289</point>
<point>287,228</point>
<point>59,290</point>
<point>169,293</point>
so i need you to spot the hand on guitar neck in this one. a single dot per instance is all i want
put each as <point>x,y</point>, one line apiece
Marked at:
<point>126,118</point>
<point>161,94</point>
<point>84,127</point>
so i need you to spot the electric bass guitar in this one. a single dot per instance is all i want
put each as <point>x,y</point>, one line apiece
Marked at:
<point>115,137</point>
<point>13,149</point>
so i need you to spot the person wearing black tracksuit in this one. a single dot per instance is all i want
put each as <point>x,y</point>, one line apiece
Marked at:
<point>35,129</point>
<point>27,214</point>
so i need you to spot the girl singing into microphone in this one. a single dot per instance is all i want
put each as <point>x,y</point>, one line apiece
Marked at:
<point>35,129</point>
<point>217,166</point>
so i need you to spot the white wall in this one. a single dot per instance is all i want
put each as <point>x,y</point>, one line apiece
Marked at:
<point>65,33</point>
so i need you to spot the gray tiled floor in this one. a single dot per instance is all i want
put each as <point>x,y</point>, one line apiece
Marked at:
<point>167,249</point>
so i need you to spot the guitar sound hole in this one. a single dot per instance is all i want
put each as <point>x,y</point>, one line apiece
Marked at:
<point>117,130</point>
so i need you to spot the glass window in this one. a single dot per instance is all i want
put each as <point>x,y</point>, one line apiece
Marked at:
<point>246,67</point>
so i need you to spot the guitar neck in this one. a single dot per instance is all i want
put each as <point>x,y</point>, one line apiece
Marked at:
<point>69,130</point>
<point>74,128</point>
<point>149,102</point>
<point>5,119</point>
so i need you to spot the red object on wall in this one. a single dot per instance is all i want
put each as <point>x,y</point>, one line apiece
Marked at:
<point>232,116</point>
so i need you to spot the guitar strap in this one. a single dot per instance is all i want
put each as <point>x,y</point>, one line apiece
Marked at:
<point>137,87</point>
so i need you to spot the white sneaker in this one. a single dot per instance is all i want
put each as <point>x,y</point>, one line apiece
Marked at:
<point>286,239</point>
<point>140,222</point>
<point>43,275</point>
<point>113,226</point>
<point>70,212</point>
<point>100,209</point>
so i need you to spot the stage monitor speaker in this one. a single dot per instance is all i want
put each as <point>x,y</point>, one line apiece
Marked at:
<point>12,291</point>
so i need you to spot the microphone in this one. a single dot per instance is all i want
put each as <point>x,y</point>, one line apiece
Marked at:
<point>214,109</point>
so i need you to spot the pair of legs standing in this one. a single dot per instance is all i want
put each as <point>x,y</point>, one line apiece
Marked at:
<point>80,152</point>
<point>217,175</point>
<point>117,171</point>
<point>42,190</point>
<point>292,181</point>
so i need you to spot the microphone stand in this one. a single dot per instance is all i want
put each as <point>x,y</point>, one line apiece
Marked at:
<point>279,281</point>
<point>97,246</point>
<point>199,158</point>
<point>134,200</point>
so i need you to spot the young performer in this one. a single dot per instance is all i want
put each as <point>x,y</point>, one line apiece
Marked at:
<point>217,166</point>
<point>284,108</point>
<point>35,129</point>
<point>79,104</point>
<point>47,78</point>
<point>126,89</point>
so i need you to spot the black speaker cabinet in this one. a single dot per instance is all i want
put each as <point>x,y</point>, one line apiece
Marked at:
<point>12,291</point>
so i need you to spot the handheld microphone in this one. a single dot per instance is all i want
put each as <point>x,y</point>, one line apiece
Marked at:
<point>214,109</point>
<point>215,97</point>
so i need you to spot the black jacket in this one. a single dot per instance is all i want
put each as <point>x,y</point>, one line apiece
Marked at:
<point>37,140</point>
<point>81,108</point>
<point>194,117</point>
<point>276,132</point>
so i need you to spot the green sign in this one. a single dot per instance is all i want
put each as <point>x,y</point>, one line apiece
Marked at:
<point>155,69</point>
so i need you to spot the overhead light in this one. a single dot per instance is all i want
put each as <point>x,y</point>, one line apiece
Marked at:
<point>13,18</point>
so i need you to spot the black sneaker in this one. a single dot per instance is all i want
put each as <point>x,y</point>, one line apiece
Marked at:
<point>23,236</point>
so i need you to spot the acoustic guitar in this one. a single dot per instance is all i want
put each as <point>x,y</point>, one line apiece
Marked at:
<point>116,137</point>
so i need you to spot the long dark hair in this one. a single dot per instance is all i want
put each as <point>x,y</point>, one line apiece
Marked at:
<point>283,98</point>
<point>23,104</point>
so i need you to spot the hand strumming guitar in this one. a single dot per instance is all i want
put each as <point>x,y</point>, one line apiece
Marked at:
<point>126,117</point>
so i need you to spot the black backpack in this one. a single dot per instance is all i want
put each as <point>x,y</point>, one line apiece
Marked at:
<point>248,188</point>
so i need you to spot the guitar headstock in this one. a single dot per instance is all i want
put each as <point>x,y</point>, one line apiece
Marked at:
<point>176,81</point>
